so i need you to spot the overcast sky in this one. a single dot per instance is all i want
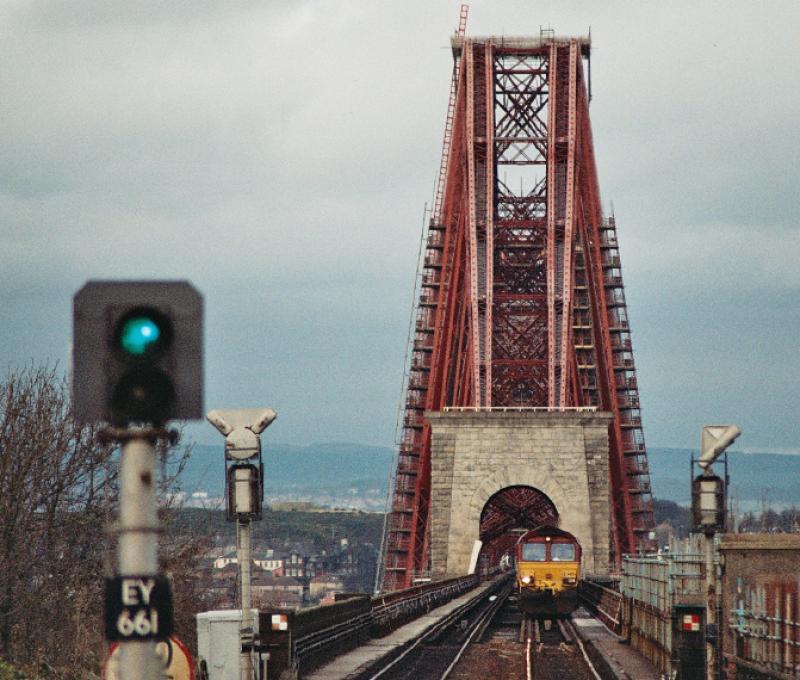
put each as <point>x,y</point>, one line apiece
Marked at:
<point>279,155</point>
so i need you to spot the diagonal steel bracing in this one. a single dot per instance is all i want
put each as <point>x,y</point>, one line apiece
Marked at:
<point>522,302</point>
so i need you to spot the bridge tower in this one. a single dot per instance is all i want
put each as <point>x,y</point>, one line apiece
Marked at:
<point>521,304</point>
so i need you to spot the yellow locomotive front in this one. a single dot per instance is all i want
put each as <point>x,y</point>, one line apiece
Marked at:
<point>548,571</point>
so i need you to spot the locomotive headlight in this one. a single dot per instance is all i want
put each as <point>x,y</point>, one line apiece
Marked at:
<point>569,580</point>
<point>526,580</point>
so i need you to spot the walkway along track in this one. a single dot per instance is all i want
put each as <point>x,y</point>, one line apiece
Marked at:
<point>435,653</point>
<point>491,638</point>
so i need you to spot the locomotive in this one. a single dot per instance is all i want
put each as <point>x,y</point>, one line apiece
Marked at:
<point>548,563</point>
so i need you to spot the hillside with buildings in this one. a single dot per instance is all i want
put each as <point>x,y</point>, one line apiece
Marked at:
<point>300,557</point>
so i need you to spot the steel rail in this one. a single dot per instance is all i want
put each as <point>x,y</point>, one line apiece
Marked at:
<point>528,660</point>
<point>441,625</point>
<point>479,627</point>
<point>568,634</point>
<point>586,658</point>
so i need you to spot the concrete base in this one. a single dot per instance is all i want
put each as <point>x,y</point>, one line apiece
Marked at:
<point>475,454</point>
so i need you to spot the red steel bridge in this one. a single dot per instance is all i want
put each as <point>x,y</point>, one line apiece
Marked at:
<point>521,301</point>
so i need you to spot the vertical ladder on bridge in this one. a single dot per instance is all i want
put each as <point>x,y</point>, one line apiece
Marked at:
<point>395,555</point>
<point>626,386</point>
<point>448,125</point>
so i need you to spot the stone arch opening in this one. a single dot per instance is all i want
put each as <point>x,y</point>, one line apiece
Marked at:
<point>506,513</point>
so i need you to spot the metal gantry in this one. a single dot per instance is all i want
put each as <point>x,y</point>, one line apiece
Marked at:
<point>521,300</point>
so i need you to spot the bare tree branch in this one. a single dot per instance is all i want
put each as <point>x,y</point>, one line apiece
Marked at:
<point>58,495</point>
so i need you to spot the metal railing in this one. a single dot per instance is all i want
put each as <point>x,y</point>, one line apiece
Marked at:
<point>392,610</point>
<point>324,632</point>
<point>313,637</point>
<point>603,601</point>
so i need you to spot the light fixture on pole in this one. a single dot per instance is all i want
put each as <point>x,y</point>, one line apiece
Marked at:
<point>244,494</point>
<point>708,504</point>
<point>708,490</point>
<point>708,517</point>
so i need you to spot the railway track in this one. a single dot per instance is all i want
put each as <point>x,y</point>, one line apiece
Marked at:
<point>493,640</point>
<point>436,653</point>
<point>555,652</point>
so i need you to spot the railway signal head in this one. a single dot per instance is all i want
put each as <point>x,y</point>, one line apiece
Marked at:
<point>708,503</point>
<point>244,469</point>
<point>137,352</point>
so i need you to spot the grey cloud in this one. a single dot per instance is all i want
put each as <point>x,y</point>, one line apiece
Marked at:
<point>70,14</point>
<point>279,155</point>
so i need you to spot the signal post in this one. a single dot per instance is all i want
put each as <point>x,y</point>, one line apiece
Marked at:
<point>137,363</point>
<point>244,487</point>
<point>708,518</point>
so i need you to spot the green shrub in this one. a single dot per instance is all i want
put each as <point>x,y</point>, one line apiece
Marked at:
<point>8,672</point>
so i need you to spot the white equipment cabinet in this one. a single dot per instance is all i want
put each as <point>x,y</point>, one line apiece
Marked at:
<point>218,643</point>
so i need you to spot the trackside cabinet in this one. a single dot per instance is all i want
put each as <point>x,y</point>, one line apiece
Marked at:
<point>218,643</point>
<point>689,642</point>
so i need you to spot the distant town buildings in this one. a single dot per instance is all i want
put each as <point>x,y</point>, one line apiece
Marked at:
<point>290,578</point>
<point>268,560</point>
<point>324,586</point>
<point>347,500</point>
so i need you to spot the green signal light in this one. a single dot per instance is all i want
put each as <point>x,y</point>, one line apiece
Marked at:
<point>142,335</point>
<point>139,334</point>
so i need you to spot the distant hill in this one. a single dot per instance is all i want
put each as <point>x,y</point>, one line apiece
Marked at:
<point>335,467</point>
<point>775,475</point>
<point>324,467</point>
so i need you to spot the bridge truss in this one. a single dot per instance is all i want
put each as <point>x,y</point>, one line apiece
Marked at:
<point>521,301</point>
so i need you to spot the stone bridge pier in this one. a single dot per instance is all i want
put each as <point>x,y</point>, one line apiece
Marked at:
<point>475,454</point>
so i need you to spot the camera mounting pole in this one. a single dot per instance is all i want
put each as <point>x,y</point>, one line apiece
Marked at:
<point>244,494</point>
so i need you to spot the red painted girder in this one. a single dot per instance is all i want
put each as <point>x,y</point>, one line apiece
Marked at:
<point>483,303</point>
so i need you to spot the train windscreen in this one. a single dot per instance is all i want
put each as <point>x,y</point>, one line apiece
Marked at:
<point>534,552</point>
<point>562,552</point>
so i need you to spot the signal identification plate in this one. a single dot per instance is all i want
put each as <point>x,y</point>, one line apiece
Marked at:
<point>138,608</point>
